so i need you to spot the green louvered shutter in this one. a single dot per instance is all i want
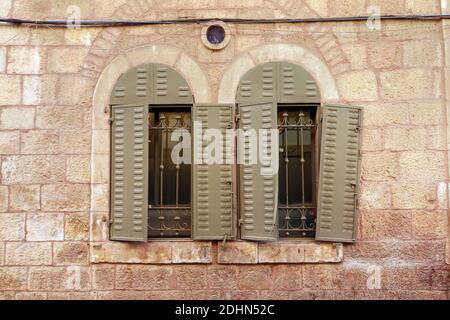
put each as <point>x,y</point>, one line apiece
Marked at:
<point>339,174</point>
<point>260,84</point>
<point>295,85</point>
<point>213,185</point>
<point>258,192</point>
<point>129,173</point>
<point>169,86</point>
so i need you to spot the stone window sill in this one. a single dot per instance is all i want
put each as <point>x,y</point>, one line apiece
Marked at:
<point>201,252</point>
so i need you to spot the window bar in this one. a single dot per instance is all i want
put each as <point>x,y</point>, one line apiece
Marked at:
<point>286,155</point>
<point>177,165</point>
<point>302,157</point>
<point>161,175</point>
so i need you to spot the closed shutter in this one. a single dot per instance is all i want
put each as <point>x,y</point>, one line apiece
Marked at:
<point>129,173</point>
<point>260,84</point>
<point>134,87</point>
<point>213,182</point>
<point>258,191</point>
<point>170,87</point>
<point>296,85</point>
<point>339,174</point>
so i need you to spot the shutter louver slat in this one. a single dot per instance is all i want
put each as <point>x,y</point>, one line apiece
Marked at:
<point>213,183</point>
<point>258,192</point>
<point>129,178</point>
<point>339,174</point>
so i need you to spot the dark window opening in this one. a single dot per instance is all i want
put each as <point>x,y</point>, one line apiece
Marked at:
<point>215,34</point>
<point>169,178</point>
<point>297,127</point>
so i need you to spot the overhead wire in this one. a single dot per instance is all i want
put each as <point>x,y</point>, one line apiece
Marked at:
<point>127,22</point>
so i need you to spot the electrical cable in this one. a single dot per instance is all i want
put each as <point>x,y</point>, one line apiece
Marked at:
<point>121,23</point>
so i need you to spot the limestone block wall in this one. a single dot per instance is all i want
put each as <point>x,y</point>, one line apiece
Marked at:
<point>54,150</point>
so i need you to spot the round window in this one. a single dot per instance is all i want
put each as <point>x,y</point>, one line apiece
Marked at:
<point>215,34</point>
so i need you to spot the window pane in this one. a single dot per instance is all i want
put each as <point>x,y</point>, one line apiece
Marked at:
<point>169,179</point>
<point>296,176</point>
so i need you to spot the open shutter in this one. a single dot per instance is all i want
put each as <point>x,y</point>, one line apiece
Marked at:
<point>339,174</point>
<point>212,187</point>
<point>129,178</point>
<point>258,191</point>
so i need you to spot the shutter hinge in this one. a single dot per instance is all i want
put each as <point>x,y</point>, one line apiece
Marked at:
<point>237,117</point>
<point>111,120</point>
<point>240,221</point>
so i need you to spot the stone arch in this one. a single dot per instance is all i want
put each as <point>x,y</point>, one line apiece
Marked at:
<point>171,56</point>
<point>100,156</point>
<point>278,52</point>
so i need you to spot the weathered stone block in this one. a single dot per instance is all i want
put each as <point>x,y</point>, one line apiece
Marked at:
<point>222,277</point>
<point>103,277</point>
<point>60,278</point>
<point>422,53</point>
<point>385,55</point>
<point>65,197</point>
<point>9,142</point>
<point>2,60</point>
<point>72,295</point>
<point>12,226</point>
<point>78,169</point>
<point>428,165</point>
<point>45,226</point>
<point>31,296</point>
<point>65,60</point>
<point>190,277</point>
<point>25,60</point>
<point>430,225</point>
<point>379,166</point>
<point>24,197</point>
<point>13,278</point>
<point>238,252</point>
<point>375,195</point>
<point>33,169</point>
<point>28,253</point>
<point>254,278</point>
<point>4,195</point>
<point>100,197</point>
<point>407,84</point>
<point>415,194</point>
<point>39,142</point>
<point>143,277</point>
<point>39,89</point>
<point>191,252</point>
<point>165,295</point>
<point>75,141</point>
<point>73,90</point>
<point>358,86</point>
<point>121,252</point>
<point>382,225</point>
<point>405,138</point>
<point>15,117</point>
<point>287,277</point>
<point>281,253</point>
<point>70,253</point>
<point>76,226</point>
<point>54,117</point>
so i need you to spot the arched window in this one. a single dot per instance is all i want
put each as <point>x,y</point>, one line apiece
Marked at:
<point>150,193</point>
<point>275,164</point>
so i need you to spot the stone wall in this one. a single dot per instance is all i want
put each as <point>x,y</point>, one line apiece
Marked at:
<point>54,151</point>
